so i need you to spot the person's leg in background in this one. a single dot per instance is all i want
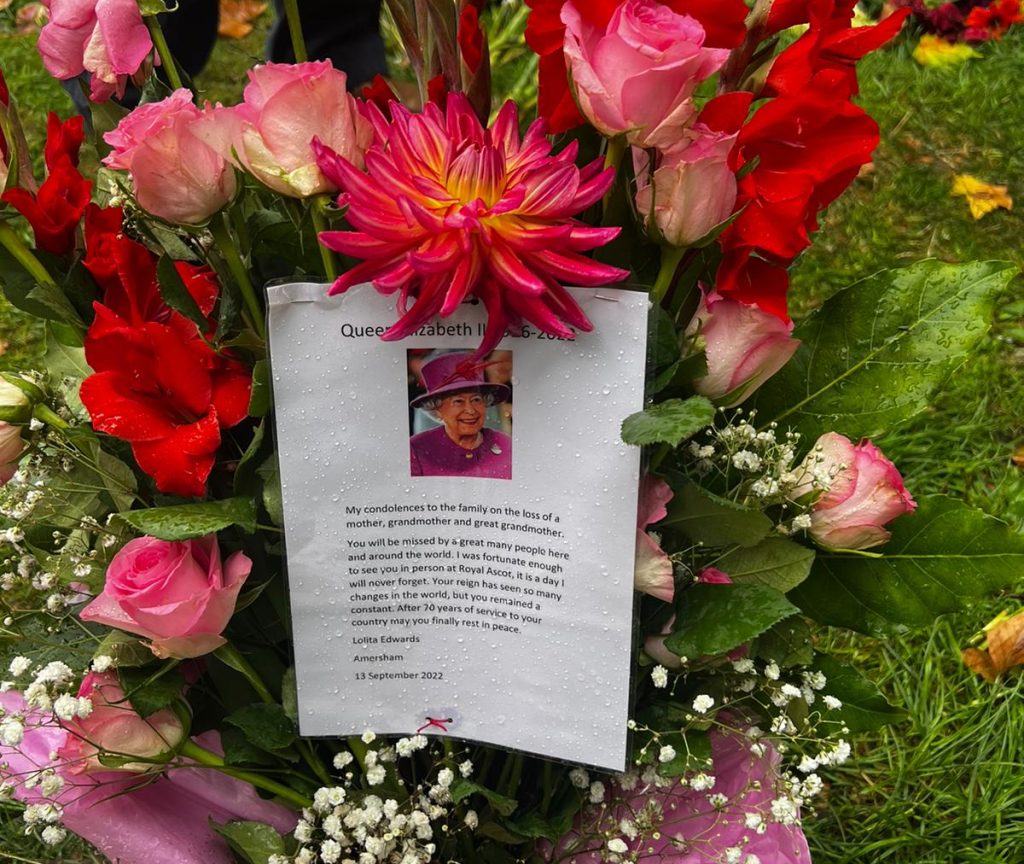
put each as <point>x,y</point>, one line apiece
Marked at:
<point>346,32</point>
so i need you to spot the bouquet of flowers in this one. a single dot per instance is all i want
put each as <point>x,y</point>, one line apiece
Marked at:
<point>688,146</point>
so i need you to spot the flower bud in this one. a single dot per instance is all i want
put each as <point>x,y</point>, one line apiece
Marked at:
<point>859,492</point>
<point>744,347</point>
<point>12,446</point>
<point>114,729</point>
<point>15,401</point>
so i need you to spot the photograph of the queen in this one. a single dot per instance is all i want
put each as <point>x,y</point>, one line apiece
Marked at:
<point>456,407</point>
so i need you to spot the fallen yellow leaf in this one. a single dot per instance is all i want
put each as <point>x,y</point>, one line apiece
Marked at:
<point>1003,647</point>
<point>936,52</point>
<point>236,17</point>
<point>981,197</point>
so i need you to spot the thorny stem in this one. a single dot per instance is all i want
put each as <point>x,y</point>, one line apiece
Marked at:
<point>163,49</point>
<point>207,759</point>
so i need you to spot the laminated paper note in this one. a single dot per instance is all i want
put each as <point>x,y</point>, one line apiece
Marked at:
<point>460,536</point>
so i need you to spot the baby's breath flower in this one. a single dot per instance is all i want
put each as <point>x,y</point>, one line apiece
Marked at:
<point>703,703</point>
<point>667,753</point>
<point>596,792</point>
<point>579,778</point>
<point>618,846</point>
<point>466,768</point>
<point>659,676</point>
<point>19,666</point>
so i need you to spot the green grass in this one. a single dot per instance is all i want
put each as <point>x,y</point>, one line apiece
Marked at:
<point>944,787</point>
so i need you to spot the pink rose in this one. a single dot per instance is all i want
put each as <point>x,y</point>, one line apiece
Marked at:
<point>744,347</point>
<point>749,783</point>
<point>11,447</point>
<point>652,572</point>
<point>131,819</point>
<point>176,594</point>
<point>106,38</point>
<point>285,108</point>
<point>863,491</point>
<point>114,728</point>
<point>176,175</point>
<point>693,189</point>
<point>637,76</point>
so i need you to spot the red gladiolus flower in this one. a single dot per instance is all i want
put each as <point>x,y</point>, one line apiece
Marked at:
<point>449,209</point>
<point>63,139</point>
<point>470,38</point>
<point>379,92</point>
<point>158,384</point>
<point>830,43</point>
<point>809,147</point>
<point>55,211</point>
<point>722,20</point>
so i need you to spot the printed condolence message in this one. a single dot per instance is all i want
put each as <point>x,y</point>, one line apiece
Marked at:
<point>460,535</point>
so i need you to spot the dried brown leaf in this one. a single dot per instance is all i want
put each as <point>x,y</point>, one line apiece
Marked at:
<point>236,17</point>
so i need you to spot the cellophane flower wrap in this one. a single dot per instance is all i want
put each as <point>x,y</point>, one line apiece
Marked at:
<point>685,149</point>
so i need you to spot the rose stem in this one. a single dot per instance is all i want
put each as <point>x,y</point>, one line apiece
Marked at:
<point>291,11</point>
<point>226,244</point>
<point>670,258</point>
<point>163,49</point>
<point>316,208</point>
<point>232,657</point>
<point>212,760</point>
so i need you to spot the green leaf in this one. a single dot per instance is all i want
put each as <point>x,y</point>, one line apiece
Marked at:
<point>176,295</point>
<point>668,422</point>
<point>715,618</point>
<point>150,691</point>
<point>265,725</point>
<point>125,649</point>
<point>864,707</point>
<point>501,804</point>
<point>253,841</point>
<point>290,694</point>
<point>117,478</point>
<point>259,400</point>
<point>186,521</point>
<point>776,562</point>
<point>66,369</point>
<point>662,340</point>
<point>693,753</point>
<point>873,354</point>
<point>272,489</point>
<point>706,518</point>
<point>937,558</point>
<point>238,750</point>
<point>788,643</point>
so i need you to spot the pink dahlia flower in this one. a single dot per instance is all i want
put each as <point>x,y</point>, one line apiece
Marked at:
<point>448,209</point>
